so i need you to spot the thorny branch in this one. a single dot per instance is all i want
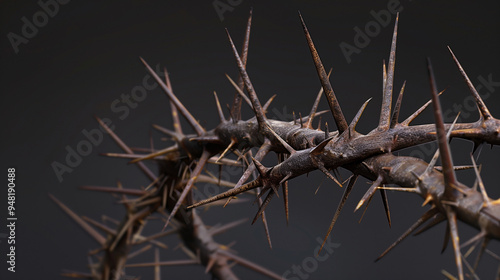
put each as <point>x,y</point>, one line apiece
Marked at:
<point>301,149</point>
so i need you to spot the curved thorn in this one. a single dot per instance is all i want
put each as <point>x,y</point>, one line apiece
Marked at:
<point>327,87</point>
<point>355,121</point>
<point>266,106</point>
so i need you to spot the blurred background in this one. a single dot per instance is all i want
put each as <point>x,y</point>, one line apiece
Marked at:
<point>75,60</point>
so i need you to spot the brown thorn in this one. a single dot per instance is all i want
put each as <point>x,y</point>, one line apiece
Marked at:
<point>419,111</point>
<point>248,264</point>
<point>191,120</point>
<point>236,107</point>
<point>433,161</point>
<point>385,113</point>
<point>261,153</point>
<point>197,170</point>
<point>486,199</point>
<point>485,113</point>
<point>155,154</point>
<point>347,191</point>
<point>327,87</point>
<point>229,193</point>
<point>436,219</point>
<point>219,109</point>
<point>233,141</point>
<point>90,230</point>
<point>369,193</point>
<point>285,200</point>
<point>264,223</point>
<point>485,242</point>
<point>257,108</point>
<point>263,206</point>
<point>283,142</point>
<point>446,239</point>
<point>175,113</point>
<point>385,201</point>
<point>355,121</point>
<point>397,107</point>
<point>444,148</point>
<point>266,106</point>
<point>240,91</point>
<point>315,105</point>
<point>384,75</point>
<point>122,145</point>
<point>426,216</point>
<point>452,221</point>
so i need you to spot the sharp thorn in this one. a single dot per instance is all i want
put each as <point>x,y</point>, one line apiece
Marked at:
<point>397,107</point>
<point>426,216</point>
<point>327,87</point>
<point>444,148</point>
<point>191,120</point>
<point>347,191</point>
<point>483,110</point>
<point>385,114</point>
<point>196,172</point>
<point>219,109</point>
<point>257,108</point>
<point>369,193</point>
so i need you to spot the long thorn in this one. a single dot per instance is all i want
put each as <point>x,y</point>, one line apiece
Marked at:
<point>486,199</point>
<point>315,105</point>
<point>175,113</point>
<point>327,87</point>
<point>199,167</point>
<point>257,108</point>
<point>485,113</point>
<point>219,109</point>
<point>235,110</point>
<point>232,192</point>
<point>192,121</point>
<point>444,149</point>
<point>426,216</point>
<point>452,221</point>
<point>385,113</point>
<point>413,116</point>
<point>347,191</point>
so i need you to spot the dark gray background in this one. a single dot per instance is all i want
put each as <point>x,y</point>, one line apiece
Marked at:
<point>86,56</point>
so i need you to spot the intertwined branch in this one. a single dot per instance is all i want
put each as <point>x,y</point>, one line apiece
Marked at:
<point>300,149</point>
